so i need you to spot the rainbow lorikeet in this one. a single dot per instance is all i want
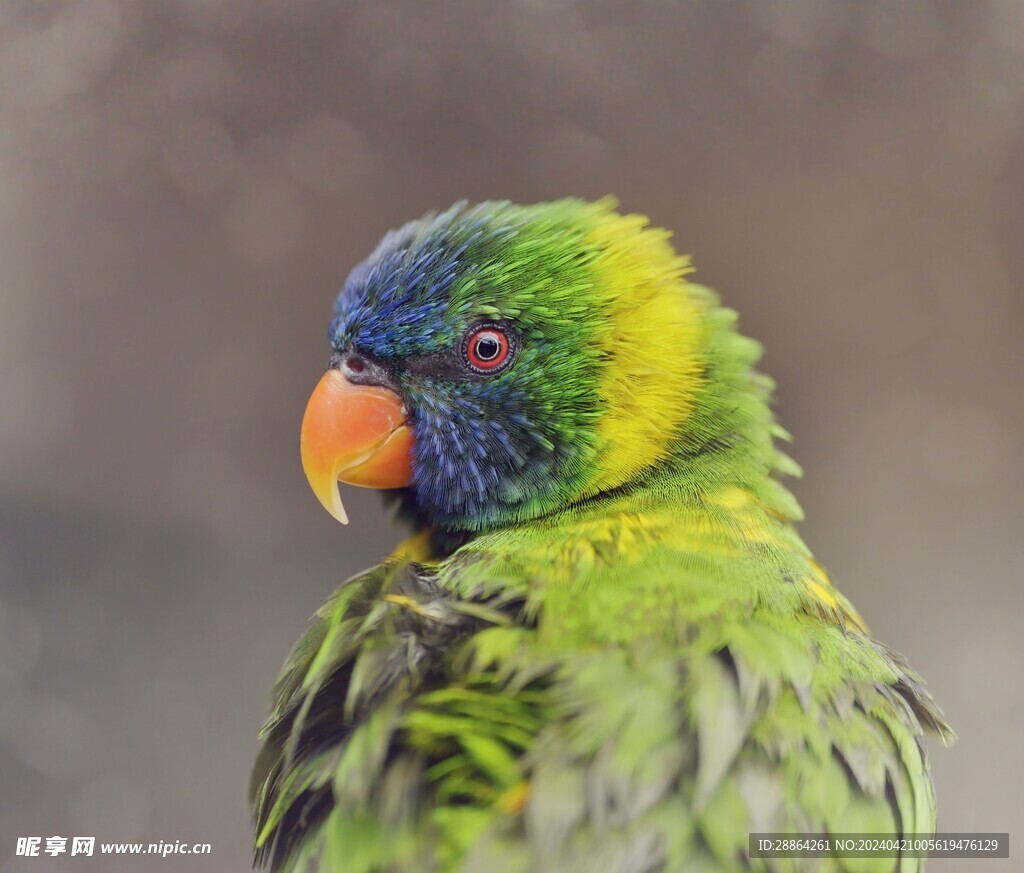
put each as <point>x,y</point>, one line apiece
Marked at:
<point>605,647</point>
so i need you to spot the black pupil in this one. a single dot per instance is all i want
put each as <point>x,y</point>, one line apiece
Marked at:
<point>487,348</point>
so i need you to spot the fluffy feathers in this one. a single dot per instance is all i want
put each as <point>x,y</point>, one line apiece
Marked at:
<point>607,648</point>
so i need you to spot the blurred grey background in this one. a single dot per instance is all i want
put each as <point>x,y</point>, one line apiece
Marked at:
<point>184,186</point>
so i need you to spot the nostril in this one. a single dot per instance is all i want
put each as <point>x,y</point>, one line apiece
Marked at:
<point>355,363</point>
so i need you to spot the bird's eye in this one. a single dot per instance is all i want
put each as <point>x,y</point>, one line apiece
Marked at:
<point>487,349</point>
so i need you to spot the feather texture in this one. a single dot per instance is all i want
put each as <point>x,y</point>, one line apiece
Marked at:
<point>607,648</point>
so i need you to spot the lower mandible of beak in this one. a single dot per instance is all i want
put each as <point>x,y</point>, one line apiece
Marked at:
<point>357,434</point>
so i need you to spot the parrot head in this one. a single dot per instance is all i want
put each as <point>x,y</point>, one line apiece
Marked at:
<point>499,362</point>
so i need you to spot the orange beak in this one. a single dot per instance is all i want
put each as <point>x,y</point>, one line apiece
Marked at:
<point>357,434</point>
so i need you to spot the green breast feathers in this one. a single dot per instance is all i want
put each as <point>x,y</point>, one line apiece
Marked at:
<point>604,647</point>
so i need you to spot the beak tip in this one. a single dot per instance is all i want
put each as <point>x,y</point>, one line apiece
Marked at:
<point>332,502</point>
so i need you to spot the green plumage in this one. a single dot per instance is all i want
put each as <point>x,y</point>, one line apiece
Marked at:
<point>631,681</point>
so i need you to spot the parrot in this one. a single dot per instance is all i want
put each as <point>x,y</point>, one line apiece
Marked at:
<point>603,645</point>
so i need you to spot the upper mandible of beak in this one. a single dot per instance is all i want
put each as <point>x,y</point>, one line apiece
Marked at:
<point>357,434</point>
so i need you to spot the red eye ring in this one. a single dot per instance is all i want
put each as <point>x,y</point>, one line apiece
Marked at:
<point>487,349</point>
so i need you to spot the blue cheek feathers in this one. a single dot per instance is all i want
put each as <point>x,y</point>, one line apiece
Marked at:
<point>473,460</point>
